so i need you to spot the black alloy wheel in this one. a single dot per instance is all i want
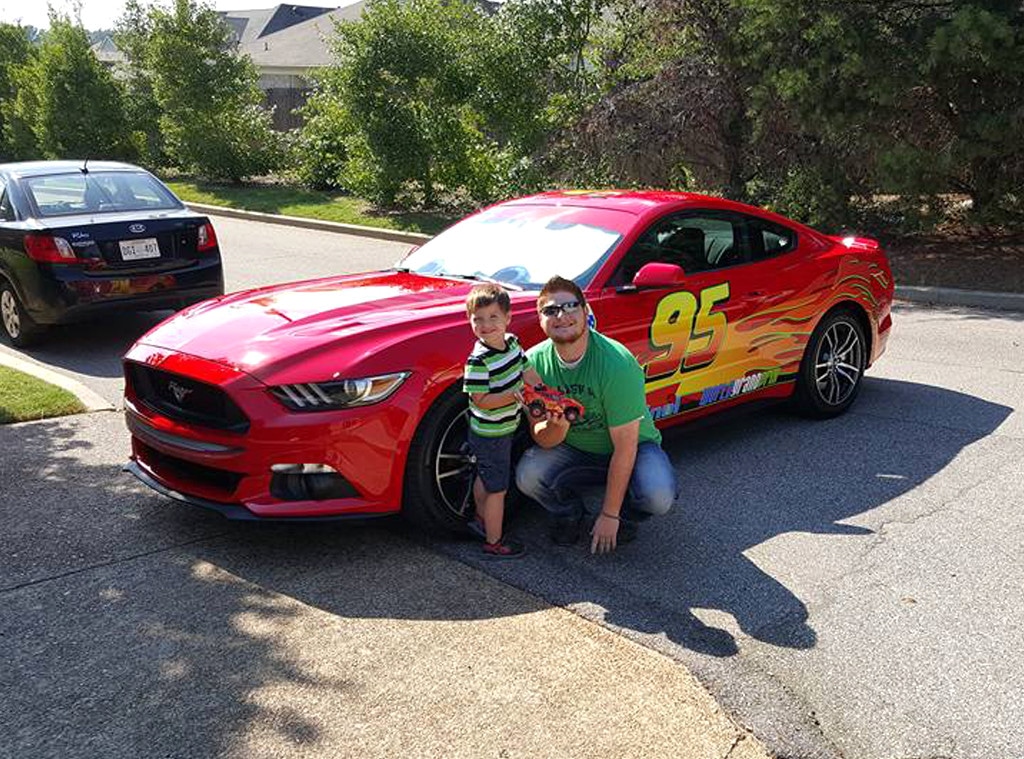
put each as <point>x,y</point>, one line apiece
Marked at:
<point>440,471</point>
<point>833,366</point>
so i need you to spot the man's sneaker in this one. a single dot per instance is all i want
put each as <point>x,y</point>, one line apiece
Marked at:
<point>565,532</point>
<point>504,549</point>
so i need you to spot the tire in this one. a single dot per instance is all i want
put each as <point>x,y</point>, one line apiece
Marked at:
<point>17,327</point>
<point>832,369</point>
<point>439,474</point>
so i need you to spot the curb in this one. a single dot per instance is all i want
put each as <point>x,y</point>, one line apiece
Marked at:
<point>948,296</point>
<point>393,235</point>
<point>89,398</point>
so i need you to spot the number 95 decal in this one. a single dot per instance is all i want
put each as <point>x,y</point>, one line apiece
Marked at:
<point>685,334</point>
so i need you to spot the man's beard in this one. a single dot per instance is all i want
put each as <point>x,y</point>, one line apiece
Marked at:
<point>564,338</point>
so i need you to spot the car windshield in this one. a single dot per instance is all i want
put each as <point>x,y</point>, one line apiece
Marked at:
<point>523,246</point>
<point>98,192</point>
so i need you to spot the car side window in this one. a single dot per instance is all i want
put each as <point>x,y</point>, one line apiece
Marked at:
<point>695,241</point>
<point>768,239</point>
<point>6,208</point>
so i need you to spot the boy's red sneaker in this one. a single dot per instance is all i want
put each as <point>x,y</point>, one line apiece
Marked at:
<point>504,549</point>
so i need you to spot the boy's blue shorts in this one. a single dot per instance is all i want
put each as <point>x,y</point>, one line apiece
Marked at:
<point>493,460</point>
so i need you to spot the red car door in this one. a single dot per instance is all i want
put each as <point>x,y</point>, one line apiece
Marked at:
<point>698,341</point>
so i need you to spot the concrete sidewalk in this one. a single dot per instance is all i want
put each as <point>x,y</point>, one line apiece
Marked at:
<point>134,626</point>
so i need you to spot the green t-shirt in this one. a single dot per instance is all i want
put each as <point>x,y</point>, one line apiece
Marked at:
<point>608,382</point>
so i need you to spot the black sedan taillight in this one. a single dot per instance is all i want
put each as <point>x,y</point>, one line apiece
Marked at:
<point>51,250</point>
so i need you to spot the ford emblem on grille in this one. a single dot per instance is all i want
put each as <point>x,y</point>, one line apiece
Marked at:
<point>180,392</point>
<point>136,228</point>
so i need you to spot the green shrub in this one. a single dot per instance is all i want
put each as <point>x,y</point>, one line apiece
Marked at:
<point>67,104</point>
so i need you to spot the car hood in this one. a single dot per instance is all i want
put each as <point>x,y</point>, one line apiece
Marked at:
<point>257,330</point>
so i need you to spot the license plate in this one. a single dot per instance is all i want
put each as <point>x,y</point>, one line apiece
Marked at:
<point>133,250</point>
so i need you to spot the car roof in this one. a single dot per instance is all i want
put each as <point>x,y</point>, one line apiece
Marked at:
<point>646,202</point>
<point>42,168</point>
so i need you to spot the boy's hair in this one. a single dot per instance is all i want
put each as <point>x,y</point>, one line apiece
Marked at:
<point>485,295</point>
<point>561,285</point>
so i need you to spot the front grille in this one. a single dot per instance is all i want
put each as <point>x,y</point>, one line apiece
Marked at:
<point>184,399</point>
<point>172,468</point>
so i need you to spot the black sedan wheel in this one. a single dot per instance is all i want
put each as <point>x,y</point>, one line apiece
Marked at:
<point>18,327</point>
<point>833,366</point>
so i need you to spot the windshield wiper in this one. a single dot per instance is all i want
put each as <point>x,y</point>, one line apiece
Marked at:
<point>478,278</point>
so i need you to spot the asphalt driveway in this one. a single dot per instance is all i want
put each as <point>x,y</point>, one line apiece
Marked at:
<point>132,626</point>
<point>847,588</point>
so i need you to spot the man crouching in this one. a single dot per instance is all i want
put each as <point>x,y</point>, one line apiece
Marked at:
<point>614,443</point>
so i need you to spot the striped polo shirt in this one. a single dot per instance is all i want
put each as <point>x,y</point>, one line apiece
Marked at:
<point>494,371</point>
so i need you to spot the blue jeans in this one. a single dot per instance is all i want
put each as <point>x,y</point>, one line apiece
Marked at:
<point>555,478</point>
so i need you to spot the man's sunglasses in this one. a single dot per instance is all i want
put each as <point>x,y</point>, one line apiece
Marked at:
<point>557,309</point>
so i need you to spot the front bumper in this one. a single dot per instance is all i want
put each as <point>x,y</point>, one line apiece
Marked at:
<point>228,510</point>
<point>230,471</point>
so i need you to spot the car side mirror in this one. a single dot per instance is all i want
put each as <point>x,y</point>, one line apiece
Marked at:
<point>659,275</point>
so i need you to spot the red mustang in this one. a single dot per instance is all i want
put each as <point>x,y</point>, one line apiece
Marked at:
<point>342,396</point>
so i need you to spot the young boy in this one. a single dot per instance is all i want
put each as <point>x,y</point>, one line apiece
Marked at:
<point>493,378</point>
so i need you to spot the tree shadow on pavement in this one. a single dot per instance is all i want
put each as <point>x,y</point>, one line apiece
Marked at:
<point>744,484</point>
<point>135,625</point>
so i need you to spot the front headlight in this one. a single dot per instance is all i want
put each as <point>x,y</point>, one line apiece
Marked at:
<point>338,394</point>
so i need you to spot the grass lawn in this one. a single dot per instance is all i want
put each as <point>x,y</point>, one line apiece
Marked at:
<point>23,398</point>
<point>290,200</point>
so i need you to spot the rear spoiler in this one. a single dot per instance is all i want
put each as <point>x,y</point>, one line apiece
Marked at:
<point>856,243</point>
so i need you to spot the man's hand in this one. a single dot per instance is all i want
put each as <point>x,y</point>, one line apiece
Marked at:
<point>530,377</point>
<point>549,431</point>
<point>605,533</point>
<point>557,423</point>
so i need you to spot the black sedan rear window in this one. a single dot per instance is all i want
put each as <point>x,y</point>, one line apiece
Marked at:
<point>98,192</point>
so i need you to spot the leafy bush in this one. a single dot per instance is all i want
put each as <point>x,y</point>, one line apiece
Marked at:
<point>318,150</point>
<point>15,53</point>
<point>211,120</point>
<point>433,103</point>
<point>67,104</point>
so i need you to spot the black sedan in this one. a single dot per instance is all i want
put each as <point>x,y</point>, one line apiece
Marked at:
<point>79,239</point>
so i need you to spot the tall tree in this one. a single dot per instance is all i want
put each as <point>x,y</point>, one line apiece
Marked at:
<point>131,35</point>
<point>68,100</point>
<point>211,114</point>
<point>910,96</point>
<point>15,53</point>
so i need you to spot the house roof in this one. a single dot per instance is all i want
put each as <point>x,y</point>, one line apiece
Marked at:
<point>106,51</point>
<point>282,37</point>
<point>254,24</point>
<point>302,45</point>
